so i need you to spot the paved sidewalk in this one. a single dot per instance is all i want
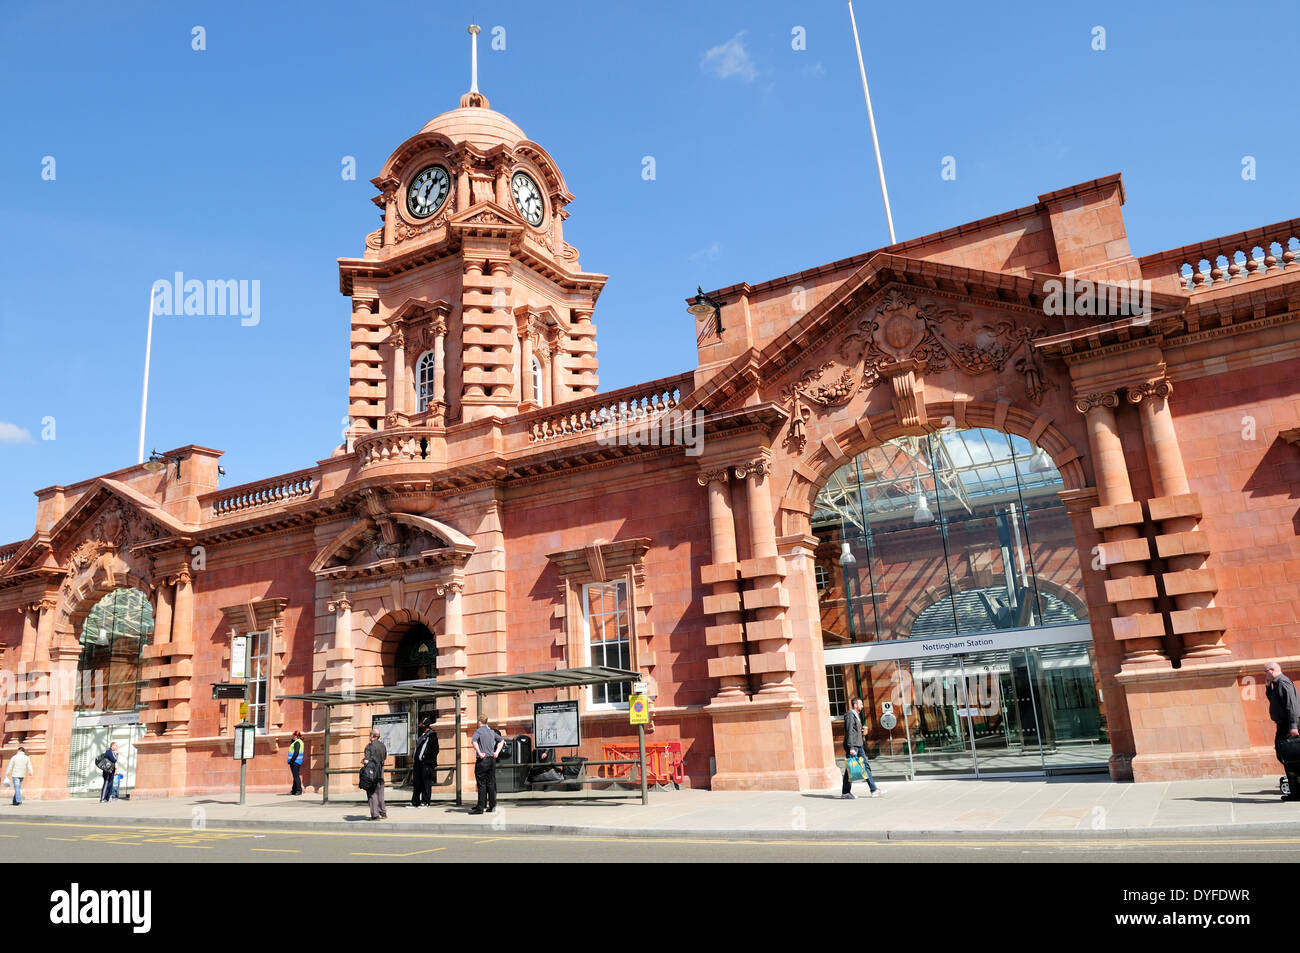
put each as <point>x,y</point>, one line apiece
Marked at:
<point>908,809</point>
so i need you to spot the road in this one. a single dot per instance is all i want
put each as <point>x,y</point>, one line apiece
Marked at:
<point>86,843</point>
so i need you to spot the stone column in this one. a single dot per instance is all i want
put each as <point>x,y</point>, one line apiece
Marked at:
<point>162,620</point>
<point>767,598</point>
<point>400,401</point>
<point>183,615</point>
<point>1125,553</point>
<point>557,375</point>
<point>1182,545</point>
<point>30,615</point>
<point>463,197</point>
<point>726,634</point>
<point>526,372</point>
<point>452,659</point>
<point>340,673</point>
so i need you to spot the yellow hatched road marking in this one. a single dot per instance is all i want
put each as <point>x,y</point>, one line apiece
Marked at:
<point>432,850</point>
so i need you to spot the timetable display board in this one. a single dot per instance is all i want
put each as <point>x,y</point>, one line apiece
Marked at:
<point>394,730</point>
<point>555,725</point>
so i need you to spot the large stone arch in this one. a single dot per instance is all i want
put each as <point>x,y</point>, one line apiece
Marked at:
<point>810,474</point>
<point>95,569</point>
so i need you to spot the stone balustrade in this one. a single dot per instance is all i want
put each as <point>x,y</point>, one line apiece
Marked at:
<point>1260,252</point>
<point>642,402</point>
<point>399,445</point>
<point>276,491</point>
<point>7,552</point>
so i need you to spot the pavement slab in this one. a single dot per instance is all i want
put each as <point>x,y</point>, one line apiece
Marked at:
<point>931,807</point>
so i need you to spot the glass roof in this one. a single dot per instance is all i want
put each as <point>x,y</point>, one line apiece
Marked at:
<point>953,468</point>
<point>122,614</point>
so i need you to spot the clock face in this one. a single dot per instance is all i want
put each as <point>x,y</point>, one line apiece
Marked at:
<point>428,191</point>
<point>528,198</point>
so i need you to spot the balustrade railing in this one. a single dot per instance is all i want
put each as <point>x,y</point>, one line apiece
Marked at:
<point>253,496</point>
<point>400,445</point>
<point>621,407</point>
<point>1261,252</point>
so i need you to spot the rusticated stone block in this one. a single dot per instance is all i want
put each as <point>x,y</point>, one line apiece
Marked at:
<point>1172,507</point>
<point>1141,626</point>
<point>1132,587</point>
<point>1118,514</point>
<point>1183,544</point>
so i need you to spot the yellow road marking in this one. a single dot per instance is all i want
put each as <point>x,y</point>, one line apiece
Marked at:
<point>871,839</point>
<point>432,850</point>
<point>274,850</point>
<point>73,839</point>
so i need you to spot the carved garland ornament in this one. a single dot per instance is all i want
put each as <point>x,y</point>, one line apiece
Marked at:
<point>901,330</point>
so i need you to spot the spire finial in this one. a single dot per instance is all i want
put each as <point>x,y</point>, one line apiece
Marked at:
<point>474,97</point>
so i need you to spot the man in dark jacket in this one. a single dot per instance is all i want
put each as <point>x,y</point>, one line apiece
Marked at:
<point>108,760</point>
<point>376,753</point>
<point>1284,710</point>
<point>853,749</point>
<point>426,763</point>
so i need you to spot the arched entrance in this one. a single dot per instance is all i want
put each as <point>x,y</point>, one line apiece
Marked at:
<point>952,604</point>
<point>106,691</point>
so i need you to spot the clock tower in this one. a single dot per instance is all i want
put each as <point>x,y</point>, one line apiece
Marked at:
<point>468,303</point>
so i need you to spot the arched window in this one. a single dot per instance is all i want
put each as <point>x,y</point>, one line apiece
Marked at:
<point>425,369</point>
<point>417,654</point>
<point>952,533</point>
<point>115,631</point>
<point>537,381</point>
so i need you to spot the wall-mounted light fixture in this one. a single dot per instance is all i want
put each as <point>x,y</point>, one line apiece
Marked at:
<point>157,462</point>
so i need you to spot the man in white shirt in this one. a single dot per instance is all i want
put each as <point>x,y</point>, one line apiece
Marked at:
<point>19,767</point>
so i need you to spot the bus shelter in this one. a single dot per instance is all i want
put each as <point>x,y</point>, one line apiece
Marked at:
<point>410,694</point>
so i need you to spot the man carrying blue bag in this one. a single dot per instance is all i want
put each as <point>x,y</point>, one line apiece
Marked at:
<point>856,766</point>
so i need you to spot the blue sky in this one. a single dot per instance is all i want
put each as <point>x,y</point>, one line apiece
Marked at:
<point>226,162</point>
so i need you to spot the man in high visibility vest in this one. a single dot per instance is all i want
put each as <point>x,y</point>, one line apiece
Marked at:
<point>295,761</point>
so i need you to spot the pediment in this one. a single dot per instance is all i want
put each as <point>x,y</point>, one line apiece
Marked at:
<point>489,217</point>
<point>388,543</point>
<point>111,518</point>
<point>897,314</point>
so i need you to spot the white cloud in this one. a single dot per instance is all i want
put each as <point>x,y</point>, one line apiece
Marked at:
<point>12,433</point>
<point>731,59</point>
<point>711,252</point>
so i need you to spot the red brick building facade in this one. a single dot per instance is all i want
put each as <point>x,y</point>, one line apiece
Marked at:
<point>1113,474</point>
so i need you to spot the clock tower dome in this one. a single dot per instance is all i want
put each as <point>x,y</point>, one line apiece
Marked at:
<point>468,303</point>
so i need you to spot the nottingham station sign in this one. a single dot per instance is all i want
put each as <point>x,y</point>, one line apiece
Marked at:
<point>996,641</point>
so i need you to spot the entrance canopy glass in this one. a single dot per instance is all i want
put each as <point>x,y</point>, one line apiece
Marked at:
<point>952,601</point>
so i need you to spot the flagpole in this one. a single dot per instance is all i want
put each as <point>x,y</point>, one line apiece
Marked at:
<point>144,397</point>
<point>871,118</point>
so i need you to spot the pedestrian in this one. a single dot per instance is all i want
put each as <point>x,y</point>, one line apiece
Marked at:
<point>853,749</point>
<point>487,745</point>
<point>19,767</point>
<point>295,761</point>
<point>1284,710</point>
<point>425,766</point>
<point>376,754</point>
<point>107,764</point>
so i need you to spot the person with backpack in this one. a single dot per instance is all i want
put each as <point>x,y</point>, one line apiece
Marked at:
<point>295,761</point>
<point>372,772</point>
<point>107,764</point>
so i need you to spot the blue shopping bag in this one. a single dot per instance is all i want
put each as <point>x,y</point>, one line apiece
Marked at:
<point>857,766</point>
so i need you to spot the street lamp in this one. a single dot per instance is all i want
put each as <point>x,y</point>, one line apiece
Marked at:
<point>157,462</point>
<point>705,305</point>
